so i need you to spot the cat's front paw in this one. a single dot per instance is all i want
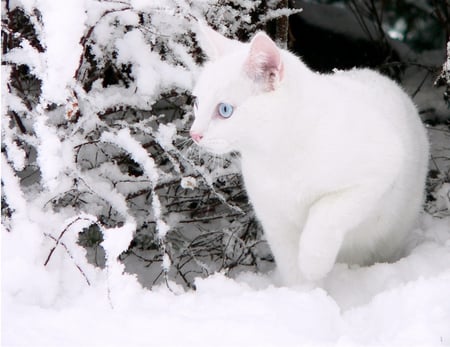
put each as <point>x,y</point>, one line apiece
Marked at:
<point>314,266</point>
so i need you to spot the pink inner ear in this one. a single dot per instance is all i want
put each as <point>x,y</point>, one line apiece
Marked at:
<point>264,61</point>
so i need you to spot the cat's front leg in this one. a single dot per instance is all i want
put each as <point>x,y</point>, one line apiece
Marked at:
<point>328,222</point>
<point>283,240</point>
<point>316,258</point>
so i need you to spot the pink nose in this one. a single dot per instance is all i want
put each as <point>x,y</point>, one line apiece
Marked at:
<point>195,136</point>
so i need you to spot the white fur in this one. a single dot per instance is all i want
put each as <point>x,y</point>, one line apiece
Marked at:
<point>334,165</point>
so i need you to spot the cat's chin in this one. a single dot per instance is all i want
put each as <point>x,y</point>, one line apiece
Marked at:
<point>217,151</point>
<point>217,146</point>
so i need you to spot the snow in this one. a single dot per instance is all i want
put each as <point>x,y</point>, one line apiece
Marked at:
<point>118,239</point>
<point>147,77</point>
<point>400,304</point>
<point>188,182</point>
<point>69,302</point>
<point>50,154</point>
<point>165,135</point>
<point>142,5</point>
<point>17,153</point>
<point>11,187</point>
<point>64,25</point>
<point>124,140</point>
<point>26,54</point>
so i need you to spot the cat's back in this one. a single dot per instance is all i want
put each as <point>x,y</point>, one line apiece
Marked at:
<point>368,89</point>
<point>377,100</point>
<point>361,120</point>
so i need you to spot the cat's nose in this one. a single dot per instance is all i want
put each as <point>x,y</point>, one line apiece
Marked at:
<point>196,136</point>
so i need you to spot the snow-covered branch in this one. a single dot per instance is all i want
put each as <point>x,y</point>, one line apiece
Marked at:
<point>96,104</point>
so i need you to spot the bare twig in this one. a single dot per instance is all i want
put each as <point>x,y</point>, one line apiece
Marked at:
<point>70,255</point>
<point>419,87</point>
<point>58,240</point>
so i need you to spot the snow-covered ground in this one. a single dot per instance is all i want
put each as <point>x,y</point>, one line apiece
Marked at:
<point>401,304</point>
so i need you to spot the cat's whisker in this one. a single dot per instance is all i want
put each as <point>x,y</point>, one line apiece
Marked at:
<point>185,142</point>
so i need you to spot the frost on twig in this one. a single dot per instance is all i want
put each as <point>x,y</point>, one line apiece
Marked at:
<point>444,78</point>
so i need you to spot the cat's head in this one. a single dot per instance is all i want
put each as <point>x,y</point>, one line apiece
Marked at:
<point>226,109</point>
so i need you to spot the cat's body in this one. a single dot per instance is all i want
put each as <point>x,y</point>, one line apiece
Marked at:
<point>334,165</point>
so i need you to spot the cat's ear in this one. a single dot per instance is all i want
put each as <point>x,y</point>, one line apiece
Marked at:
<point>214,44</point>
<point>264,64</point>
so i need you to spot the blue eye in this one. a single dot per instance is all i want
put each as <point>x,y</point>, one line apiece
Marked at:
<point>225,110</point>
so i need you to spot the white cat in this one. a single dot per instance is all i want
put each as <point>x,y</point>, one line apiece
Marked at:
<point>334,165</point>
